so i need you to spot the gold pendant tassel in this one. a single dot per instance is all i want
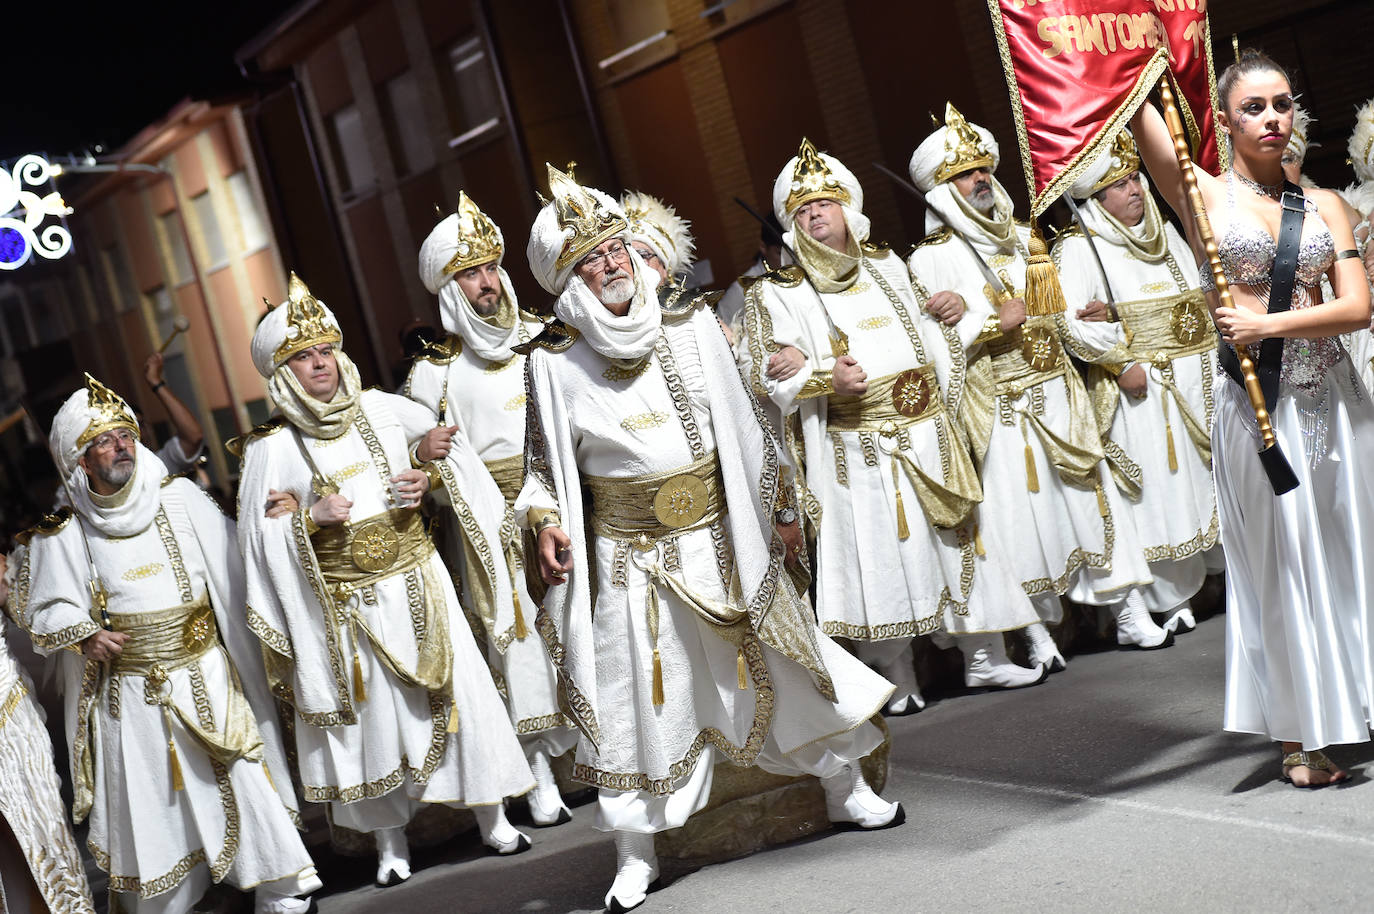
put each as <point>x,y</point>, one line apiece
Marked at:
<point>741,670</point>
<point>658,680</point>
<point>521,632</point>
<point>903,531</point>
<point>452,715</point>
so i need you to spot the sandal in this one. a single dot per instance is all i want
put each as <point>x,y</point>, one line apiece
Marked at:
<point>1314,759</point>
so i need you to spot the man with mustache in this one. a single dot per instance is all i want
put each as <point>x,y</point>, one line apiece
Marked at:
<point>841,343</point>
<point>676,632</point>
<point>473,382</point>
<point>174,747</point>
<point>1159,353</point>
<point>1035,438</point>
<point>393,704</point>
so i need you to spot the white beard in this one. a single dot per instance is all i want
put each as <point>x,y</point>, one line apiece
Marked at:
<point>617,291</point>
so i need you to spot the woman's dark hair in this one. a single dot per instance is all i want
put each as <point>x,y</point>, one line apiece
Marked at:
<point>1251,61</point>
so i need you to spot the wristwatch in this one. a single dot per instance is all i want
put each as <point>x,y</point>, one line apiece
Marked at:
<point>786,516</point>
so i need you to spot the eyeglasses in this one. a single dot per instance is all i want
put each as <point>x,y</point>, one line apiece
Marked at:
<point>107,441</point>
<point>597,262</point>
<point>645,254</point>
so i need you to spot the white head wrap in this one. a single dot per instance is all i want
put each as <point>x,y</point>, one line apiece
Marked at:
<point>491,337</point>
<point>629,337</point>
<point>1115,162</point>
<point>952,146</point>
<point>305,321</point>
<point>654,223</point>
<point>95,408</point>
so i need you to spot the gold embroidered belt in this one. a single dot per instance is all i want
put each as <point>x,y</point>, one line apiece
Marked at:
<point>353,556</point>
<point>626,507</point>
<point>509,473</point>
<point>1027,356</point>
<point>172,638</point>
<point>1161,329</point>
<point>904,399</point>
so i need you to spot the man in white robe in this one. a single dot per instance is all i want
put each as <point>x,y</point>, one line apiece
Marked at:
<point>840,341</point>
<point>394,705</point>
<point>676,632</point>
<point>1153,367</point>
<point>1040,450</point>
<point>472,381</point>
<point>171,729</point>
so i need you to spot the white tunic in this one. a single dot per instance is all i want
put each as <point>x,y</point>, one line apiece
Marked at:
<point>487,401</point>
<point>1058,539</point>
<point>354,750</point>
<point>871,584</point>
<point>150,837</point>
<point>1175,513</point>
<point>599,418</point>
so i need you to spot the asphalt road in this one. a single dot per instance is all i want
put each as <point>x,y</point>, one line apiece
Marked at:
<point>1111,787</point>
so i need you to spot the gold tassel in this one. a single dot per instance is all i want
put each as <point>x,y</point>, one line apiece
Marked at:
<point>452,716</point>
<point>1173,455</point>
<point>903,531</point>
<point>978,541</point>
<point>1102,508</point>
<point>1032,478</point>
<point>268,771</point>
<point>520,630</point>
<point>658,680</point>
<point>741,670</point>
<point>178,782</point>
<point>1044,295</point>
<point>359,689</point>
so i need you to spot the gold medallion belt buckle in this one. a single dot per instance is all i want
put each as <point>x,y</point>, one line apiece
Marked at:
<point>375,547</point>
<point>1187,323</point>
<point>681,501</point>
<point>1038,348</point>
<point>911,393</point>
<point>198,630</point>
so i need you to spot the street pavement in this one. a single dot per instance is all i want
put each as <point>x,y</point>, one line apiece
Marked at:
<point>1111,787</point>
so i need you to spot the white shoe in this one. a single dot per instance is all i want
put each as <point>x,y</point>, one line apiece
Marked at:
<point>1043,649</point>
<point>497,832</point>
<point>1181,620</point>
<point>636,871</point>
<point>901,672</point>
<point>393,856</point>
<point>851,803</point>
<point>546,803</point>
<point>987,666</point>
<point>1136,628</point>
<point>265,902</point>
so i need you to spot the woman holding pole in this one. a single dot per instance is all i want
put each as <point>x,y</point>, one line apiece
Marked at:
<point>1300,637</point>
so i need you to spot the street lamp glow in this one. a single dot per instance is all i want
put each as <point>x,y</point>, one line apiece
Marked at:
<point>22,233</point>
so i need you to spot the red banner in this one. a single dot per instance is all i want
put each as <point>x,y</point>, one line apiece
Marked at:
<point>1076,71</point>
<point>1190,45</point>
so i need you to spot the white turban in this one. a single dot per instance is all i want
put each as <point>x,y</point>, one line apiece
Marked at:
<point>656,224</point>
<point>1115,162</point>
<point>547,238</point>
<point>490,337</point>
<point>94,408</point>
<point>934,152</point>
<point>791,191</point>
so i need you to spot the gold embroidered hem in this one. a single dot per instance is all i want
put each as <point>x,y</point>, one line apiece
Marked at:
<point>540,724</point>
<point>1078,558</point>
<point>1201,542</point>
<point>744,755</point>
<point>379,787</point>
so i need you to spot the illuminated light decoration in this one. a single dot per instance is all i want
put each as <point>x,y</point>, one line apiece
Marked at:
<point>22,233</point>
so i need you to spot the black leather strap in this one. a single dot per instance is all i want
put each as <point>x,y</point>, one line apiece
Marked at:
<point>1282,276</point>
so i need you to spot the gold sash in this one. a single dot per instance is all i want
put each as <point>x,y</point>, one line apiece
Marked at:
<point>509,473</point>
<point>905,398</point>
<point>659,505</point>
<point>1169,328</point>
<point>173,638</point>
<point>1029,355</point>
<point>356,556</point>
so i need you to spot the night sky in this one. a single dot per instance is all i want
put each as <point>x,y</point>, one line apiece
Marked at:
<point>97,72</point>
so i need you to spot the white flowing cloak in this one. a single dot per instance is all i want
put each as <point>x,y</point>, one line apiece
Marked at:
<point>589,415</point>
<point>486,400</point>
<point>1058,540</point>
<point>146,835</point>
<point>861,558</point>
<point>1174,512</point>
<point>396,739</point>
<point>30,794</point>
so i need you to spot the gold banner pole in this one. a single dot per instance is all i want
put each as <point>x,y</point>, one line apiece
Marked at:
<point>1271,456</point>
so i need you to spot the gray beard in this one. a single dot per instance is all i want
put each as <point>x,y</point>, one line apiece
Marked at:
<point>617,291</point>
<point>117,475</point>
<point>984,203</point>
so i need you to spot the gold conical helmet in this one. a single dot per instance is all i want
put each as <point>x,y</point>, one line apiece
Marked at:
<point>110,411</point>
<point>479,240</point>
<point>591,220</point>
<point>964,148</point>
<point>812,179</point>
<point>307,322</point>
